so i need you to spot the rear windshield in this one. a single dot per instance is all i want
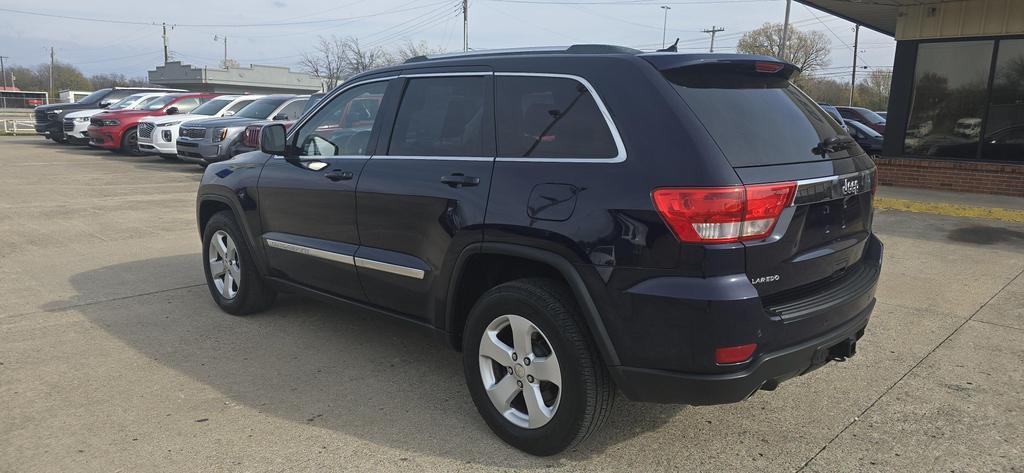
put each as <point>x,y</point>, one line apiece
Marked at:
<point>756,120</point>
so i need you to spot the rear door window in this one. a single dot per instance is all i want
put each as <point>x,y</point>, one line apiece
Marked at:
<point>549,117</point>
<point>441,116</point>
<point>756,119</point>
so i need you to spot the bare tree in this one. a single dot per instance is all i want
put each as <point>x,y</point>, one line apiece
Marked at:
<point>410,50</point>
<point>229,64</point>
<point>808,50</point>
<point>325,61</point>
<point>873,91</point>
<point>336,59</point>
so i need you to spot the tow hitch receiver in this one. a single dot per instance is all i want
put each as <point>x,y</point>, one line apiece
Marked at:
<point>843,350</point>
<point>838,352</point>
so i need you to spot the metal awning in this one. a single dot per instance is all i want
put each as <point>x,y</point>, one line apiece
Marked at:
<point>879,15</point>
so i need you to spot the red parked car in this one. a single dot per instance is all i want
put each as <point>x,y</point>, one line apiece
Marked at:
<point>117,130</point>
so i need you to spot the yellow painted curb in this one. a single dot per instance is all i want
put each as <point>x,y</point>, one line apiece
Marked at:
<point>950,210</point>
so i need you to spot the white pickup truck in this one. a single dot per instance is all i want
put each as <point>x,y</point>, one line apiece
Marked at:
<point>157,135</point>
<point>76,124</point>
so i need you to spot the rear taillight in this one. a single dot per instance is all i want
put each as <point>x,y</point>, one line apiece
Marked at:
<point>737,354</point>
<point>723,214</point>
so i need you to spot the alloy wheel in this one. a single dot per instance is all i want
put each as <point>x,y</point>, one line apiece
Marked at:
<point>520,371</point>
<point>225,270</point>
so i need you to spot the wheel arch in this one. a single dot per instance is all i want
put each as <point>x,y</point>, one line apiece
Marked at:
<point>209,205</point>
<point>460,299</point>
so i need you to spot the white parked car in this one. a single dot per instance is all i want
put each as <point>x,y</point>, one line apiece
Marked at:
<point>76,124</point>
<point>157,135</point>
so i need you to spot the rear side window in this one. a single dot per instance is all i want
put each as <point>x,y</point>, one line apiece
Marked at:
<point>441,116</point>
<point>549,117</point>
<point>756,119</point>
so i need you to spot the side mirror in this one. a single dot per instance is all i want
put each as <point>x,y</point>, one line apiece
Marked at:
<point>279,117</point>
<point>229,113</point>
<point>273,139</point>
<point>171,111</point>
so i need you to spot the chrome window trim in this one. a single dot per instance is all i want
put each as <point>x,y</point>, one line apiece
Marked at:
<point>619,146</point>
<point>448,74</point>
<point>308,251</point>
<point>433,158</point>
<point>390,268</point>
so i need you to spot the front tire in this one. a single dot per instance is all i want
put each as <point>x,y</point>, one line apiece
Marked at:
<point>532,368</point>
<point>231,273</point>
<point>130,142</point>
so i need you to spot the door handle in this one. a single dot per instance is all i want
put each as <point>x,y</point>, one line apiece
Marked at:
<point>460,180</point>
<point>339,175</point>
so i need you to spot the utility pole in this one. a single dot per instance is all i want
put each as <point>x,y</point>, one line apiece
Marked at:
<point>785,33</point>
<point>51,75</point>
<point>712,31</point>
<point>465,25</point>
<point>3,72</point>
<point>166,55</point>
<point>853,72</point>
<point>225,39</point>
<point>664,25</point>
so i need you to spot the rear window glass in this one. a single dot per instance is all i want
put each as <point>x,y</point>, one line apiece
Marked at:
<point>548,117</point>
<point>441,117</point>
<point>756,120</point>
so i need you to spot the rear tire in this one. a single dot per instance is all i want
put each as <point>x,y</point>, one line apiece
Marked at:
<point>510,392</point>
<point>231,275</point>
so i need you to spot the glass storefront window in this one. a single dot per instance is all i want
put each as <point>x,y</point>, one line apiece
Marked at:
<point>1004,132</point>
<point>950,91</point>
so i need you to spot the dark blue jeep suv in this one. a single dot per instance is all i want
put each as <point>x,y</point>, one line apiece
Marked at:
<point>683,228</point>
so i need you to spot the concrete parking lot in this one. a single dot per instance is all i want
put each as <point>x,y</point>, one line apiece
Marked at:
<point>113,357</point>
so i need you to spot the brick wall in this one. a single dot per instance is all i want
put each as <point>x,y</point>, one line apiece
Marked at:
<point>962,176</point>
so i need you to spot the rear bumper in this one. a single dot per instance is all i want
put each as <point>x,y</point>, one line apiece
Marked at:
<point>767,371</point>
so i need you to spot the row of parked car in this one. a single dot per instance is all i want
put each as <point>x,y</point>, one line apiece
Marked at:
<point>199,127</point>
<point>866,127</point>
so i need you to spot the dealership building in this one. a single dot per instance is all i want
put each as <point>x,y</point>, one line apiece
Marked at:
<point>956,106</point>
<point>254,79</point>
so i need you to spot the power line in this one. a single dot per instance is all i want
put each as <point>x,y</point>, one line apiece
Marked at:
<point>217,25</point>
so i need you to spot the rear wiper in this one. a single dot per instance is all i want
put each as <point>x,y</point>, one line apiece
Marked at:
<point>833,144</point>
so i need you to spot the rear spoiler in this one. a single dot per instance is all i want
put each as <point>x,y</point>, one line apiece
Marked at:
<point>734,62</point>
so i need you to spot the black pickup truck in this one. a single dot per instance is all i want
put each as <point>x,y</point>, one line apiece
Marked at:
<point>50,118</point>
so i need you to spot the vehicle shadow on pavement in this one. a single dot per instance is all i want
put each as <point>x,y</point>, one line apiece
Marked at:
<point>345,369</point>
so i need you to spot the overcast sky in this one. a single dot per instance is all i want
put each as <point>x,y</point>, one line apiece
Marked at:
<point>289,27</point>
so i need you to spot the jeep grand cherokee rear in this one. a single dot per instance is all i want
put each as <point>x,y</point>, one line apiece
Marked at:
<point>690,228</point>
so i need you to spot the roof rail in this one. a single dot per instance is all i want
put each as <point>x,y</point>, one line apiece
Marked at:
<point>574,49</point>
